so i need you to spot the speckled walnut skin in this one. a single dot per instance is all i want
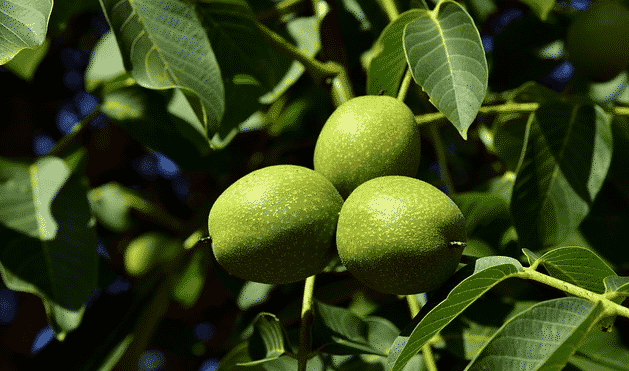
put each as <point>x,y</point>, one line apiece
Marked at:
<point>275,225</point>
<point>367,137</point>
<point>400,235</point>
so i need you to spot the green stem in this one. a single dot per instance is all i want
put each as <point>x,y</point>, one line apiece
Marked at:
<point>441,158</point>
<point>429,359</point>
<point>406,83</point>
<point>306,320</point>
<point>389,8</point>
<point>611,307</point>
<point>70,137</point>
<point>318,70</point>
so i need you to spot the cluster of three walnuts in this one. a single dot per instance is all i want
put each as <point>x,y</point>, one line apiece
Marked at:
<point>394,233</point>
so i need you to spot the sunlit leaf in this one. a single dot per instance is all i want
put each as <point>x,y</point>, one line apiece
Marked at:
<point>542,337</point>
<point>577,265</point>
<point>567,155</point>
<point>446,55</point>
<point>23,24</point>
<point>472,281</point>
<point>164,46</point>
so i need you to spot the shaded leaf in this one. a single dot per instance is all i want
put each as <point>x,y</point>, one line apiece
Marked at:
<point>143,114</point>
<point>49,245</point>
<point>25,63</point>
<point>24,24</point>
<point>388,61</point>
<point>602,351</point>
<point>337,330</point>
<point>191,281</point>
<point>480,208</point>
<point>241,51</point>
<point>268,340</point>
<point>239,356</point>
<point>545,335</point>
<point>447,59</point>
<point>164,46</point>
<point>110,207</point>
<point>471,281</point>
<point>540,7</point>
<point>567,155</point>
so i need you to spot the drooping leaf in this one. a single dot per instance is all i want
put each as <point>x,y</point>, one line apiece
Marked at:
<point>268,340</point>
<point>49,245</point>
<point>542,337</point>
<point>23,24</point>
<point>446,56</point>
<point>164,46</point>
<point>567,155</point>
<point>388,61</point>
<point>472,281</point>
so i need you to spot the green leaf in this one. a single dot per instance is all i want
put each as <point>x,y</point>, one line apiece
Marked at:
<point>617,284</point>
<point>241,51</point>
<point>143,114</point>
<point>578,266</point>
<point>164,46</point>
<point>25,63</point>
<point>268,341</point>
<point>602,351</point>
<point>238,357</point>
<point>252,294</point>
<point>446,55</point>
<point>105,62</point>
<point>190,282</point>
<point>480,208</point>
<point>337,330</point>
<point>567,155</point>
<point>388,62</point>
<point>472,281</point>
<point>540,7</point>
<point>49,244</point>
<point>542,337</point>
<point>23,24</point>
<point>110,207</point>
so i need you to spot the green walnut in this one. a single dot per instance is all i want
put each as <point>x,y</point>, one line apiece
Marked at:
<point>400,235</point>
<point>275,225</point>
<point>598,41</point>
<point>367,137</point>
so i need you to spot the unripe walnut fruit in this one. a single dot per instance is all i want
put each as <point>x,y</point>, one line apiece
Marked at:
<point>367,137</point>
<point>275,225</point>
<point>400,235</point>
